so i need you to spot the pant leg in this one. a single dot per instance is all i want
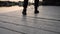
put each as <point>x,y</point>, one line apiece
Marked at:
<point>36,4</point>
<point>25,4</point>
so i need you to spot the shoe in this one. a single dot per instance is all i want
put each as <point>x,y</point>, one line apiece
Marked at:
<point>24,13</point>
<point>36,12</point>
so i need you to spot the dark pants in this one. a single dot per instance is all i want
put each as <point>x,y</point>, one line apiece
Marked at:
<point>25,4</point>
<point>36,4</point>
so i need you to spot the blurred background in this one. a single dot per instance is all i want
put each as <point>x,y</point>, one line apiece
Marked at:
<point>31,2</point>
<point>15,2</point>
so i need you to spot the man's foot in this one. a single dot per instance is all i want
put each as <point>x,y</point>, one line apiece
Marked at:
<point>24,13</point>
<point>36,12</point>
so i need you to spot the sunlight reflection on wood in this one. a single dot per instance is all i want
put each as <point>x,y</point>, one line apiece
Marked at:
<point>9,9</point>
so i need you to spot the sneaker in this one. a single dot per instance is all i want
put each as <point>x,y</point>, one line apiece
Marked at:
<point>24,13</point>
<point>36,12</point>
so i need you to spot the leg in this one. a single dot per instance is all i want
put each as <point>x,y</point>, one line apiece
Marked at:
<point>36,6</point>
<point>25,7</point>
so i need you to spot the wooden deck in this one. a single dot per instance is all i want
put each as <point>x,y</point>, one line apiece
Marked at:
<point>46,22</point>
